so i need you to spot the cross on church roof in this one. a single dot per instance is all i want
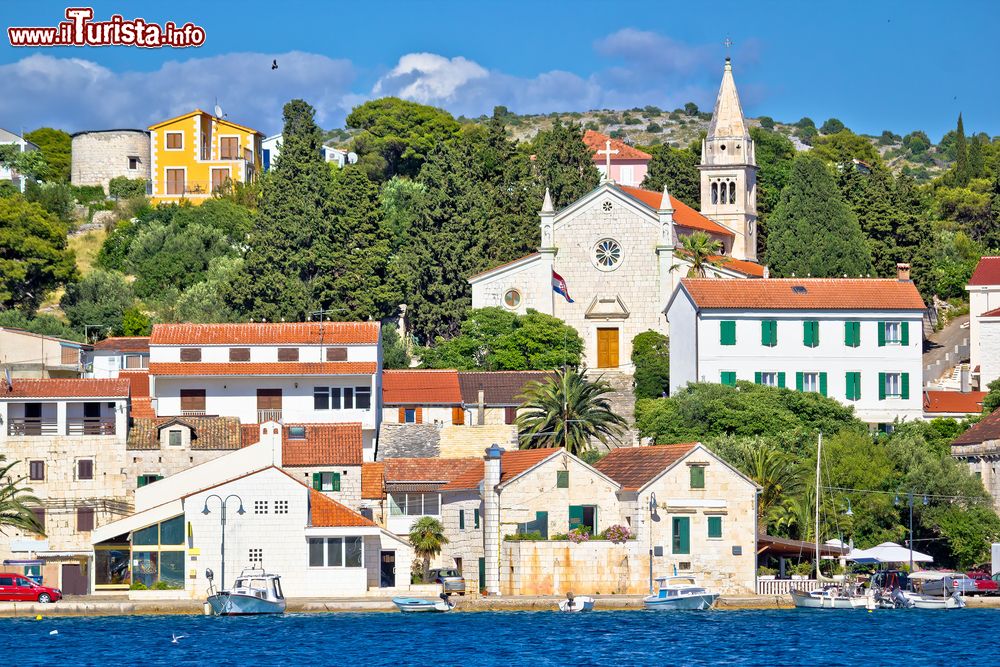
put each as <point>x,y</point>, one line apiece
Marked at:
<point>607,153</point>
<point>728,43</point>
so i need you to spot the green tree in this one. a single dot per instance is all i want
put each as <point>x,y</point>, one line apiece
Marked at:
<point>992,399</point>
<point>771,468</point>
<point>395,136</point>
<point>775,153</point>
<point>34,257</point>
<point>845,146</point>
<point>56,198</point>
<point>691,109</point>
<point>766,122</point>
<point>917,142</point>
<point>961,169</point>
<point>678,169</point>
<point>46,325</point>
<point>100,300</point>
<point>568,411</point>
<point>832,126</point>
<point>402,201</point>
<point>16,502</point>
<point>122,187</point>
<point>233,220</point>
<point>699,250</point>
<point>651,363</point>
<point>428,539</point>
<point>813,231</point>
<point>394,354</point>
<point>173,255</point>
<point>205,301</point>
<point>135,323</point>
<point>114,251</point>
<point>805,122</point>
<point>30,164</point>
<point>56,148</point>
<point>564,164</point>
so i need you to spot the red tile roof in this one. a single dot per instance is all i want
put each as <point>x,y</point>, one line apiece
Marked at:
<point>991,313</point>
<point>988,428</point>
<point>512,464</point>
<point>265,333</point>
<point>500,388</point>
<point>141,408</point>
<point>65,388</point>
<point>207,433</point>
<point>427,469</point>
<point>987,272</point>
<point>421,387</point>
<point>124,344</point>
<point>138,381</point>
<point>372,481</point>
<point>634,467</point>
<point>820,294</point>
<point>743,266</point>
<point>684,215</point>
<point>324,444</point>
<point>954,402</point>
<point>596,141</point>
<point>185,368</point>
<point>328,513</point>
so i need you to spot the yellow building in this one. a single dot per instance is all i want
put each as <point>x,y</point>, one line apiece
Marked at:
<point>193,155</point>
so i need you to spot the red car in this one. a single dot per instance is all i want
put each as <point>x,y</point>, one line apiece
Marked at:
<point>985,585</point>
<point>18,588</point>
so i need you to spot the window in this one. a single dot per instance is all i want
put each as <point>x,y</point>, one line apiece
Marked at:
<point>336,354</point>
<point>893,333</point>
<point>362,398</point>
<point>190,354</point>
<point>192,401</point>
<point>853,384</point>
<point>336,551</point>
<point>174,438</point>
<point>288,354</point>
<point>321,398</point>
<point>410,416</point>
<point>84,519</point>
<point>715,527</point>
<point>894,385</point>
<point>810,333</point>
<point>562,479</point>
<point>175,181</point>
<point>85,469</point>
<point>133,163</point>
<point>260,507</point>
<point>414,504</point>
<point>160,553</point>
<point>509,414</point>
<point>583,516</point>
<point>281,507</point>
<point>722,193</point>
<point>732,193</point>
<point>296,432</point>
<point>540,525</point>
<point>715,193</point>
<point>728,378</point>
<point>136,361</point>
<point>39,513</point>
<point>769,333</point>
<point>475,517</point>
<point>811,382</point>
<point>145,480</point>
<point>348,393</point>
<point>36,471</point>
<point>461,519</point>
<point>512,298</point>
<point>770,379</point>
<point>255,556</point>
<point>219,178</point>
<point>229,148</point>
<point>607,254</point>
<point>239,354</point>
<point>457,415</point>
<point>175,141</point>
<point>626,175</point>
<point>326,481</point>
<point>680,542</point>
<point>852,334</point>
<point>697,477</point>
<point>727,332</point>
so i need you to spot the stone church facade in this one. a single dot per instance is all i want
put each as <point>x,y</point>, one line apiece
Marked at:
<point>615,246</point>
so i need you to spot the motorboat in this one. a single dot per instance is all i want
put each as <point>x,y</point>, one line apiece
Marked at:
<point>421,605</point>
<point>829,597</point>
<point>930,590</point>
<point>573,603</point>
<point>679,593</point>
<point>253,592</point>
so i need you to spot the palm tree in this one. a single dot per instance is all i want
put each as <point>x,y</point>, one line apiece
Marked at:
<point>773,470</point>
<point>568,411</point>
<point>16,502</point>
<point>427,538</point>
<point>699,249</point>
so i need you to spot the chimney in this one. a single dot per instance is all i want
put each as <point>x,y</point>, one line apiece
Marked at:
<point>481,409</point>
<point>491,519</point>
<point>270,436</point>
<point>964,375</point>
<point>767,272</point>
<point>902,271</point>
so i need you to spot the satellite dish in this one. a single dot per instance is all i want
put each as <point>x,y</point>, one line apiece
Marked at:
<point>352,157</point>
<point>218,111</point>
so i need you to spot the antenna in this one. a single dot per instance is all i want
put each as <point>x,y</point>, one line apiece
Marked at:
<point>352,157</point>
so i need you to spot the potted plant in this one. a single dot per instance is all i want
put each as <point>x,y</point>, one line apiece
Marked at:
<point>765,573</point>
<point>802,570</point>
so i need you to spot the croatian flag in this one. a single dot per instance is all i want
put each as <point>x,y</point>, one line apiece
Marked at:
<point>559,286</point>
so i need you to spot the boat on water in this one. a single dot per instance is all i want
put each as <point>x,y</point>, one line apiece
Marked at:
<point>254,592</point>
<point>829,597</point>
<point>934,590</point>
<point>574,603</point>
<point>679,593</point>
<point>420,605</point>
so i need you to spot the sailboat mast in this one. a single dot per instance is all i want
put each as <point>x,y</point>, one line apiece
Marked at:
<point>819,456</point>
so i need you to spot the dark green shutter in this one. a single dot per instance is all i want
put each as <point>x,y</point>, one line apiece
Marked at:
<point>562,479</point>
<point>336,481</point>
<point>681,543</point>
<point>798,381</point>
<point>575,516</point>
<point>697,477</point>
<point>881,334</point>
<point>316,481</point>
<point>822,383</point>
<point>727,332</point>
<point>482,574</point>
<point>781,380</point>
<point>141,482</point>
<point>881,386</point>
<point>715,526</point>
<point>852,334</point>
<point>756,377</point>
<point>729,378</point>
<point>769,332</point>
<point>461,519</point>
<point>853,381</point>
<point>476,518</point>
<point>542,524</point>
<point>810,333</point>
<point>904,333</point>
<point>904,385</point>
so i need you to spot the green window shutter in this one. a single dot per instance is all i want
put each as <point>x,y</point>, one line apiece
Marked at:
<point>798,381</point>
<point>316,481</point>
<point>881,386</point>
<point>681,542</point>
<point>729,378</point>
<point>853,381</point>
<point>461,519</point>
<point>781,380</point>
<point>562,479</point>
<point>756,377</point>
<point>810,333</point>
<point>769,332</point>
<point>141,482</point>
<point>881,334</point>
<point>476,518</point>
<point>904,385</point>
<point>852,334</point>
<point>575,516</point>
<point>904,333</point>
<point>697,477</point>
<point>336,481</point>
<point>542,524</point>
<point>715,526</point>
<point>822,383</point>
<point>727,332</point>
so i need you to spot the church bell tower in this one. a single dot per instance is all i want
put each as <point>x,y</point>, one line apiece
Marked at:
<point>729,170</point>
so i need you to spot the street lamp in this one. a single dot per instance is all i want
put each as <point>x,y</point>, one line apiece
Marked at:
<point>909,502</point>
<point>652,513</point>
<point>240,511</point>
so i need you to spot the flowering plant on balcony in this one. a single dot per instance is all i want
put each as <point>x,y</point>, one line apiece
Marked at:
<point>618,534</point>
<point>578,535</point>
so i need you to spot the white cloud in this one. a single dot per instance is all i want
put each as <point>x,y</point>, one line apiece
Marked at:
<point>428,77</point>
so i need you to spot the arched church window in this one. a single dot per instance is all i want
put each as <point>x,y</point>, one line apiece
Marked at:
<point>607,206</point>
<point>512,299</point>
<point>715,193</point>
<point>732,193</point>
<point>722,193</point>
<point>607,254</point>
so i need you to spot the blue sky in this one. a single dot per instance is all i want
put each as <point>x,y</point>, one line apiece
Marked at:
<point>875,65</point>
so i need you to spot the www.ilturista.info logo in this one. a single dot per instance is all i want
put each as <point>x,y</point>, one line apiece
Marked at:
<point>81,30</point>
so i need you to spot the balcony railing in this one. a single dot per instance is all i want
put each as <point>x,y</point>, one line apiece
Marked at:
<point>79,426</point>
<point>785,586</point>
<point>90,427</point>
<point>192,413</point>
<point>32,426</point>
<point>268,416</point>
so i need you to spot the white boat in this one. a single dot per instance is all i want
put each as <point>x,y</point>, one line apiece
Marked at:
<point>679,593</point>
<point>924,585</point>
<point>573,603</point>
<point>829,597</point>
<point>421,605</point>
<point>253,592</point>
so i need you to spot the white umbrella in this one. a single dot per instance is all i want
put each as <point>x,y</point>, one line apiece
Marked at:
<point>887,552</point>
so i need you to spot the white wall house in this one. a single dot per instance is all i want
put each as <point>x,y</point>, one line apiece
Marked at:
<point>272,149</point>
<point>856,340</point>
<point>301,373</point>
<point>112,355</point>
<point>23,145</point>
<point>984,321</point>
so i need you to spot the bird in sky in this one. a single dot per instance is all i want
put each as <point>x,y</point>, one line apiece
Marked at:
<point>274,64</point>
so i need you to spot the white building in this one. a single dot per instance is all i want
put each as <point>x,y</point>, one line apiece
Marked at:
<point>110,356</point>
<point>301,373</point>
<point>31,355</point>
<point>855,340</point>
<point>23,145</point>
<point>272,148</point>
<point>984,321</point>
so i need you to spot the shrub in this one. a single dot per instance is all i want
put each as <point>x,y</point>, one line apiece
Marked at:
<point>618,534</point>
<point>651,358</point>
<point>165,586</point>
<point>578,535</point>
<point>766,122</point>
<point>138,586</point>
<point>121,187</point>
<point>654,127</point>
<point>764,571</point>
<point>88,194</point>
<point>533,536</point>
<point>804,568</point>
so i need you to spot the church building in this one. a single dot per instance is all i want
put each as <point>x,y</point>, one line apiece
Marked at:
<point>607,264</point>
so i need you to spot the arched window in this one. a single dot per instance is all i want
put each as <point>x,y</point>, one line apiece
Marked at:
<point>722,193</point>
<point>715,193</point>
<point>732,193</point>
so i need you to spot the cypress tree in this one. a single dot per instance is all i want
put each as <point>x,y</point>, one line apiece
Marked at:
<point>678,169</point>
<point>961,154</point>
<point>563,163</point>
<point>812,231</point>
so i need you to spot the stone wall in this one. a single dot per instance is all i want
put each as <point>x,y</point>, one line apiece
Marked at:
<point>588,568</point>
<point>465,441</point>
<point>100,156</point>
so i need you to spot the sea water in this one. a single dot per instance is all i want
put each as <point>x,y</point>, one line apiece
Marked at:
<point>908,638</point>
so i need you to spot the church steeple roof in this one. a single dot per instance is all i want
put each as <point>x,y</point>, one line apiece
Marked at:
<point>727,119</point>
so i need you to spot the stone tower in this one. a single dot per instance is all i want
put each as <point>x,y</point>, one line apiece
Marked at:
<point>729,170</point>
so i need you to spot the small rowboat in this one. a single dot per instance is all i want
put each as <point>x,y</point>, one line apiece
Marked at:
<point>573,603</point>
<point>418,604</point>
